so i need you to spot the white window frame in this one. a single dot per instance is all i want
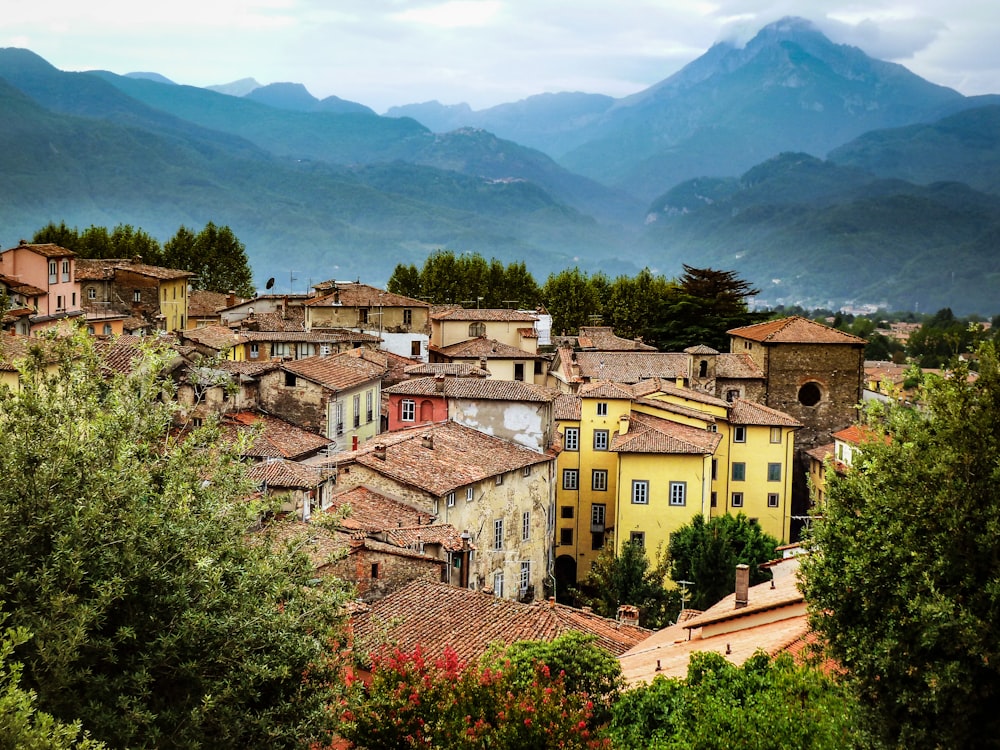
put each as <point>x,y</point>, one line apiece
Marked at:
<point>736,500</point>
<point>527,470</point>
<point>450,500</point>
<point>598,514</point>
<point>600,440</point>
<point>775,434</point>
<point>571,479</point>
<point>602,408</point>
<point>739,434</point>
<point>571,439</point>
<point>526,526</point>
<point>469,494</point>
<point>498,533</point>
<point>525,576</point>
<point>678,493</point>
<point>773,500</point>
<point>407,410</point>
<point>599,480</point>
<point>498,584</point>
<point>640,492</point>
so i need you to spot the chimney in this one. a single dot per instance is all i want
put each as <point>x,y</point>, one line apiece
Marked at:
<point>230,298</point>
<point>552,602</point>
<point>679,382</point>
<point>482,363</point>
<point>742,585</point>
<point>427,440</point>
<point>628,614</point>
<point>379,451</point>
<point>623,421</point>
<point>439,382</point>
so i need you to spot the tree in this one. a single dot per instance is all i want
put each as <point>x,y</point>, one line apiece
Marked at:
<point>707,553</point>
<point>903,582</point>
<point>628,578</point>
<point>766,703</point>
<point>157,618</point>
<point>125,241</point>
<point>405,280</point>
<point>215,256</point>
<point>571,299</point>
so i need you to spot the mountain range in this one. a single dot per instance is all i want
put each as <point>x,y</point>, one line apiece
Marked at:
<point>818,173</point>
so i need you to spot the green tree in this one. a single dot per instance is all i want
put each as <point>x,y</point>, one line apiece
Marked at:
<point>630,578</point>
<point>405,280</point>
<point>215,256</point>
<point>124,241</point>
<point>571,299</point>
<point>157,619</point>
<point>903,582</point>
<point>707,553</point>
<point>60,235</point>
<point>763,704</point>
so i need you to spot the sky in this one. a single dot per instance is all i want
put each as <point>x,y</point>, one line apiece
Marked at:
<point>483,52</point>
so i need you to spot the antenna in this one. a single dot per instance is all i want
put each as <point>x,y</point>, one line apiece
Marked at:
<point>291,279</point>
<point>684,592</point>
<point>270,283</point>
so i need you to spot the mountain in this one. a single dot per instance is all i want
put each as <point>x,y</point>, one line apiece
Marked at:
<point>242,87</point>
<point>295,97</point>
<point>819,234</point>
<point>150,77</point>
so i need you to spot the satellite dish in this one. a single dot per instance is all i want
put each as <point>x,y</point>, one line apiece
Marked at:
<point>270,283</point>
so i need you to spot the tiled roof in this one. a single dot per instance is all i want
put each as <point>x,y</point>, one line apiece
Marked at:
<point>285,474</point>
<point>781,591</point>
<point>435,616</point>
<point>648,434</point>
<point>746,412</point>
<point>603,338</point>
<point>19,287</point>
<point>216,337</point>
<point>859,435</point>
<point>452,369</point>
<point>47,250</point>
<point>354,294</point>
<point>700,349</point>
<point>374,510</point>
<point>459,456</point>
<point>486,315</point>
<point>474,388</point>
<point>605,389</point>
<point>104,268</point>
<point>14,348</point>
<point>292,319</point>
<point>631,367</point>
<point>444,534</point>
<point>346,370</point>
<point>315,336</point>
<point>668,388</point>
<point>276,438</point>
<point>201,302</point>
<point>737,366</point>
<point>248,368</point>
<point>672,408</point>
<point>795,330</point>
<point>92,269</point>
<point>484,347</point>
<point>567,407</point>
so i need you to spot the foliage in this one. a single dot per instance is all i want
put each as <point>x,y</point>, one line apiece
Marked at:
<point>903,583</point>
<point>124,241</point>
<point>575,657</point>
<point>630,578</point>
<point>707,553</point>
<point>215,256</point>
<point>413,702</point>
<point>157,620</point>
<point>763,704</point>
<point>572,299</point>
<point>22,725</point>
<point>943,337</point>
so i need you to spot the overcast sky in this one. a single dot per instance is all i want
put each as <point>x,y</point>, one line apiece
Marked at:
<point>483,52</point>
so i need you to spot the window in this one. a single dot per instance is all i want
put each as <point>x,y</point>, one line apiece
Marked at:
<point>407,410</point>
<point>450,500</point>
<point>774,472</point>
<point>254,351</point>
<point>164,294</point>
<point>304,350</point>
<point>526,526</point>
<point>678,493</point>
<point>565,511</point>
<point>519,371</point>
<point>363,314</point>
<point>53,272</point>
<point>280,349</point>
<point>437,506</point>
<point>289,379</point>
<point>715,468</point>
<point>737,500</point>
<point>357,409</point>
<point>498,534</point>
<point>407,317</point>
<point>571,479</point>
<point>599,480</point>
<point>739,434</point>
<point>338,416</point>
<point>72,298</point>
<point>703,369</point>
<point>476,330</point>
<point>415,349</point>
<point>571,439</point>
<point>600,440</point>
<point>498,584</point>
<point>566,537</point>
<point>810,394</point>
<point>527,471</point>
<point>469,494</point>
<point>90,329</point>
<point>602,408</point>
<point>499,479</point>
<point>597,540</point>
<point>598,514</point>
<point>91,293</point>
<point>772,499</point>
<point>60,303</point>
<point>775,434</point>
<point>525,575</point>
<point>640,492</point>
<point>638,537</point>
<point>739,471</point>
<point>137,296</point>
<point>715,499</point>
<point>732,394</point>
<point>375,570</point>
<point>369,413</point>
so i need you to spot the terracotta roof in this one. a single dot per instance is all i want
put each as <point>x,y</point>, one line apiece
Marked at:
<point>668,388</point>
<point>859,435</point>
<point>795,330</point>
<point>605,389</point>
<point>19,287</point>
<point>484,347</point>
<point>355,294</point>
<point>14,348</point>
<point>276,437</point>
<point>292,319</point>
<point>567,407</point>
<point>47,250</point>
<point>486,315</point>
<point>700,349</point>
<point>316,336</point>
<point>648,434</point>
<point>104,268</point>
<point>284,474</point>
<point>202,303</point>
<point>249,368</point>
<point>746,412</point>
<point>603,338</point>
<point>443,534</point>
<point>474,388</point>
<point>459,456</point>
<point>118,353</point>
<point>337,372</point>
<point>672,408</point>
<point>435,616</point>
<point>216,337</point>
<point>452,369</point>
<point>781,591</point>
<point>735,366</point>
<point>374,510</point>
<point>631,367</point>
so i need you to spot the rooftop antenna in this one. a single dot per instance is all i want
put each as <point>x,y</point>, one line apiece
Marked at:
<point>291,279</point>
<point>684,592</point>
